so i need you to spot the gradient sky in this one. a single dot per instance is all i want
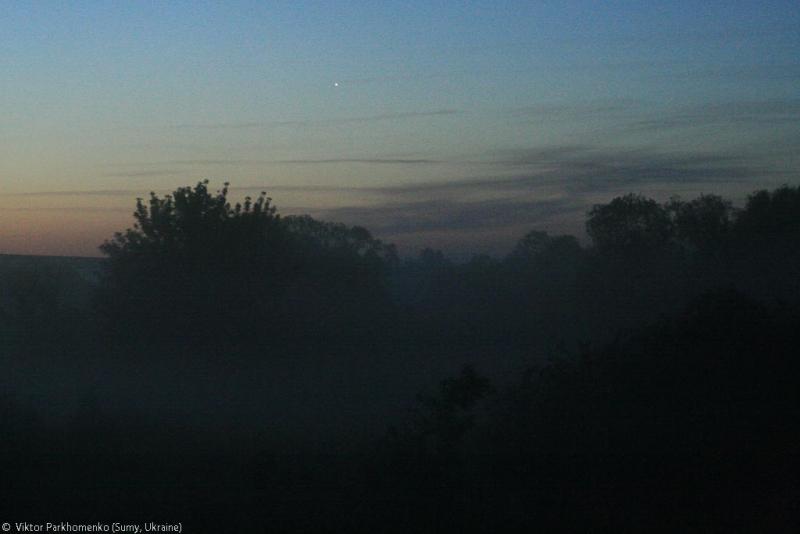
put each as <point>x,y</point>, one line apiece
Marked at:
<point>459,126</point>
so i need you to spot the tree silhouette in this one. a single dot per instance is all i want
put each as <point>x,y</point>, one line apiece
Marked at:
<point>629,224</point>
<point>771,215</point>
<point>703,223</point>
<point>768,228</point>
<point>194,266</point>
<point>339,284</point>
<point>542,251</point>
<point>196,226</point>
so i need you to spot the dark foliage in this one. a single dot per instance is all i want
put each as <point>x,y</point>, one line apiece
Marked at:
<point>630,224</point>
<point>196,268</point>
<point>686,424</point>
<point>645,382</point>
<point>704,224</point>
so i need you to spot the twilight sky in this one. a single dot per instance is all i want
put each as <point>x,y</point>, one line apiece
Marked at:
<point>459,126</point>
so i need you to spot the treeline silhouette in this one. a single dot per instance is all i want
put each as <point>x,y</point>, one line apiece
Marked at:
<point>230,367</point>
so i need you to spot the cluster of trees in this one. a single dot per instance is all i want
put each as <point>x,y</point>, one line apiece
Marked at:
<point>684,404</point>
<point>685,424</point>
<point>195,266</point>
<point>645,259</point>
<point>659,379</point>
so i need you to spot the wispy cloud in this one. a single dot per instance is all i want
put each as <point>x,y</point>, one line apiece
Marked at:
<point>554,187</point>
<point>143,174</point>
<point>756,72</point>
<point>376,161</point>
<point>307,161</point>
<point>194,161</point>
<point>406,77</point>
<point>426,216</point>
<point>575,169</point>
<point>77,209</point>
<point>571,110</point>
<point>322,122</point>
<point>765,112</point>
<point>261,162</point>
<point>78,193</point>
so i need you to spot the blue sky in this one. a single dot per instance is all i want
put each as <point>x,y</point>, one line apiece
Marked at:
<point>454,125</point>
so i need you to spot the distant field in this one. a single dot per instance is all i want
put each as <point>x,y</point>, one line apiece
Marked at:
<point>87,268</point>
<point>63,281</point>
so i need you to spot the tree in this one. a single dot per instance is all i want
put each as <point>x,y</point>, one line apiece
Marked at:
<point>629,224</point>
<point>338,237</point>
<point>540,248</point>
<point>340,278</point>
<point>195,225</point>
<point>703,223</point>
<point>771,214</point>
<point>193,265</point>
<point>533,244</point>
<point>449,415</point>
<point>196,267</point>
<point>768,228</point>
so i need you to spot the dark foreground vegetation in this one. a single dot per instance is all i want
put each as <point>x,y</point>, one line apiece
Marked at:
<point>232,369</point>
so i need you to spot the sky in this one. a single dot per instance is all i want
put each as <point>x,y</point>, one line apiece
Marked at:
<point>453,125</point>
